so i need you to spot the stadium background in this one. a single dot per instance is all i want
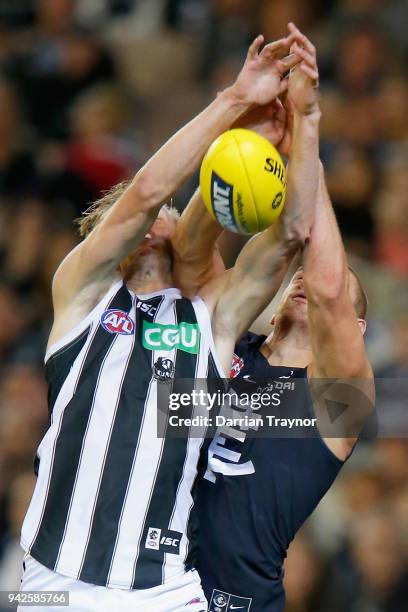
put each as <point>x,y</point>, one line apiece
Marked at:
<point>88,90</point>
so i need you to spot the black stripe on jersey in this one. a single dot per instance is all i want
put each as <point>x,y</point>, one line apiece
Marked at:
<point>119,458</point>
<point>148,570</point>
<point>59,364</point>
<point>69,444</point>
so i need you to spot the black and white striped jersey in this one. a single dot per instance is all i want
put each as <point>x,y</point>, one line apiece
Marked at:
<point>112,504</point>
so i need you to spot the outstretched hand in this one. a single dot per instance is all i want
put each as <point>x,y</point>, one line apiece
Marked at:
<point>261,79</point>
<point>302,94</point>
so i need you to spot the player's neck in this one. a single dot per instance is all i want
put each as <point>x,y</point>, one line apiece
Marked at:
<point>148,278</point>
<point>288,346</point>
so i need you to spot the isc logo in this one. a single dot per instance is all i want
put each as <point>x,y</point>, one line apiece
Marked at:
<point>117,322</point>
<point>169,541</point>
<point>163,539</point>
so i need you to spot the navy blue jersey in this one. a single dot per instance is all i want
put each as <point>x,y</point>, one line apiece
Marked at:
<point>249,515</point>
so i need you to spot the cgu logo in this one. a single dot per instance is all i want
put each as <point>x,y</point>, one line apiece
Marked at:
<point>117,322</point>
<point>185,336</point>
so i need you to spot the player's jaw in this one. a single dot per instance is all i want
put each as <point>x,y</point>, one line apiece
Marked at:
<point>294,300</point>
<point>155,251</point>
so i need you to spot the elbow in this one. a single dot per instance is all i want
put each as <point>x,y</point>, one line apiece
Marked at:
<point>324,291</point>
<point>296,236</point>
<point>146,191</point>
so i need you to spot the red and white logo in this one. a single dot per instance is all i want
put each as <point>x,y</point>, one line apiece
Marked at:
<point>236,366</point>
<point>117,322</point>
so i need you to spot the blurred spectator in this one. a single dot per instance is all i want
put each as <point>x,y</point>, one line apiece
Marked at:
<point>98,153</point>
<point>12,558</point>
<point>392,219</point>
<point>63,61</point>
<point>304,569</point>
<point>351,183</point>
<point>18,175</point>
<point>379,572</point>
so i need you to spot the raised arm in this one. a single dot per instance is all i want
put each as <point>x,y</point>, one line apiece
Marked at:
<point>197,262</point>
<point>336,329</point>
<point>263,262</point>
<point>93,264</point>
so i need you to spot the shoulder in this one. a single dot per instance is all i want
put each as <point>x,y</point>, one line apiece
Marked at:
<point>249,342</point>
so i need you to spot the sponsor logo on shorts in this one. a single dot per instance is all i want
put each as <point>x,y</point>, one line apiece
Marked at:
<point>163,539</point>
<point>184,336</point>
<point>117,322</point>
<point>221,601</point>
<point>222,202</point>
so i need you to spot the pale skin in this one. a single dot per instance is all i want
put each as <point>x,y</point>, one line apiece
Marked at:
<point>132,241</point>
<point>316,325</point>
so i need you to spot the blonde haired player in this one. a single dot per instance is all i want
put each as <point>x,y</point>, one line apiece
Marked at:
<point>109,520</point>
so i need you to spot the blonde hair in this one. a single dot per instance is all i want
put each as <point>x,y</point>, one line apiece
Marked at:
<point>95,213</point>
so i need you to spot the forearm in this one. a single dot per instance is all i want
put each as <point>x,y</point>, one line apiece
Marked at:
<point>324,261</point>
<point>196,221</point>
<point>176,160</point>
<point>196,257</point>
<point>255,279</point>
<point>302,179</point>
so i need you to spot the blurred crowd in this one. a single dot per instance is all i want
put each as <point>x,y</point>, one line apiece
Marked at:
<point>88,90</point>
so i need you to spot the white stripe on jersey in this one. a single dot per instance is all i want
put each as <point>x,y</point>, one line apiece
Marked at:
<point>143,475</point>
<point>46,450</point>
<point>94,449</point>
<point>184,501</point>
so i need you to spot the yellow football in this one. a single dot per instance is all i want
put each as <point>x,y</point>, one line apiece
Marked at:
<point>243,181</point>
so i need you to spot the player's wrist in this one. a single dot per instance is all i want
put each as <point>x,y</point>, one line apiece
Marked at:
<point>237,100</point>
<point>311,114</point>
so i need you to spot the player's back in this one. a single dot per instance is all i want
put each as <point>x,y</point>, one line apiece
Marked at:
<point>112,501</point>
<point>248,518</point>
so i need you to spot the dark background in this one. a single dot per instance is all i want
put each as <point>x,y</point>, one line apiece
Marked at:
<point>88,90</point>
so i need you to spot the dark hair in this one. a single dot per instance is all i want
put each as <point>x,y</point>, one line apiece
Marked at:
<point>360,299</point>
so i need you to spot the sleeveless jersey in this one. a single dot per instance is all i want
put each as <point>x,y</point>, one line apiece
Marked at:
<point>113,500</point>
<point>248,517</point>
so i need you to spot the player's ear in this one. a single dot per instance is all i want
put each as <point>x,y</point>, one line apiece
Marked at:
<point>363,325</point>
<point>273,319</point>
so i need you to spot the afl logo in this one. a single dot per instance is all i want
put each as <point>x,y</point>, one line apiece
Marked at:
<point>117,322</point>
